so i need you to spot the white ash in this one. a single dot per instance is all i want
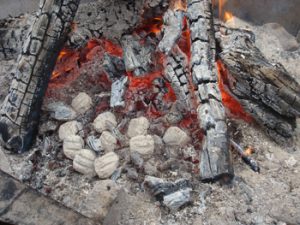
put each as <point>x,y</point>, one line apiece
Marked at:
<point>106,165</point>
<point>94,143</point>
<point>174,136</point>
<point>101,122</point>
<point>69,128</point>
<point>48,126</point>
<point>138,126</point>
<point>72,145</point>
<point>60,111</point>
<point>108,141</point>
<point>142,144</point>
<point>99,200</point>
<point>82,103</point>
<point>117,92</point>
<point>84,162</point>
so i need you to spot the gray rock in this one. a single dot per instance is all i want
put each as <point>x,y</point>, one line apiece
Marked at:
<point>100,123</point>
<point>174,136</point>
<point>144,145</point>
<point>82,103</point>
<point>138,126</point>
<point>108,141</point>
<point>106,165</point>
<point>84,162</point>
<point>68,129</point>
<point>72,145</point>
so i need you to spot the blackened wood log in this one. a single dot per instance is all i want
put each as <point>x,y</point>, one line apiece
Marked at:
<point>265,90</point>
<point>20,112</point>
<point>215,159</point>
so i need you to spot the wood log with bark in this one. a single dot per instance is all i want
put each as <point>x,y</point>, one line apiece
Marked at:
<point>20,112</point>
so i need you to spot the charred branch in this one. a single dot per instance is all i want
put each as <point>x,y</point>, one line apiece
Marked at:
<point>20,112</point>
<point>264,89</point>
<point>215,159</point>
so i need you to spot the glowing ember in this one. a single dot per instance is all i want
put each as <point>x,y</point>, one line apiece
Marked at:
<point>228,100</point>
<point>249,151</point>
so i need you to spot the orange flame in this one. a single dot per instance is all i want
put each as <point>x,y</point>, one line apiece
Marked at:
<point>249,151</point>
<point>228,100</point>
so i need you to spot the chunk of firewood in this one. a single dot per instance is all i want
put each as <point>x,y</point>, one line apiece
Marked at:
<point>265,90</point>
<point>215,159</point>
<point>20,112</point>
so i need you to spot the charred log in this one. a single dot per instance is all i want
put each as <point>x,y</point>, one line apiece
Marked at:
<point>215,159</point>
<point>265,90</point>
<point>20,112</point>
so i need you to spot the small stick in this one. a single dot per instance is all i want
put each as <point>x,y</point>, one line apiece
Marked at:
<point>247,159</point>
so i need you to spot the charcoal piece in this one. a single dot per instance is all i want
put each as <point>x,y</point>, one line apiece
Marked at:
<point>22,107</point>
<point>215,161</point>
<point>137,57</point>
<point>173,21</point>
<point>118,89</point>
<point>60,111</point>
<point>113,66</point>
<point>177,199</point>
<point>265,89</point>
<point>176,72</point>
<point>160,188</point>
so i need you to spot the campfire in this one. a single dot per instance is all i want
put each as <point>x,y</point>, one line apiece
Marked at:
<point>161,88</point>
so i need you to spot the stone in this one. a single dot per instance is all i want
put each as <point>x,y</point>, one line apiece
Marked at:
<point>142,144</point>
<point>100,123</point>
<point>138,126</point>
<point>82,103</point>
<point>69,128</point>
<point>108,141</point>
<point>99,200</point>
<point>61,112</point>
<point>94,143</point>
<point>72,145</point>
<point>84,162</point>
<point>106,165</point>
<point>174,136</point>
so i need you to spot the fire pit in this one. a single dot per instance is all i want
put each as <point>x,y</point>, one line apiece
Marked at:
<point>146,96</point>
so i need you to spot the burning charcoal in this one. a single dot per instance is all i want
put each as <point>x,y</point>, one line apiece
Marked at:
<point>108,141</point>
<point>106,165</point>
<point>82,103</point>
<point>172,30</point>
<point>137,57</point>
<point>69,128</point>
<point>174,116</point>
<point>137,160</point>
<point>138,126</point>
<point>72,145</point>
<point>100,123</point>
<point>160,188</point>
<point>118,89</point>
<point>174,136</point>
<point>247,159</point>
<point>60,111</point>
<point>84,162</point>
<point>144,145</point>
<point>94,143</point>
<point>113,66</point>
<point>177,199</point>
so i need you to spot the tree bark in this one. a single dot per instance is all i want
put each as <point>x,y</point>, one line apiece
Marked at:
<point>215,159</point>
<point>20,112</point>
